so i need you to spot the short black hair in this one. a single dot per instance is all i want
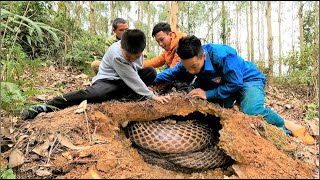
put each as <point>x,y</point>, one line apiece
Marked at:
<point>133,41</point>
<point>189,47</point>
<point>117,21</point>
<point>161,26</point>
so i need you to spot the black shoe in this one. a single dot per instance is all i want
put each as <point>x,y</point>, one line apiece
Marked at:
<point>33,112</point>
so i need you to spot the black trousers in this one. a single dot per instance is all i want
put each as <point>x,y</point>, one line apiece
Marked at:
<point>102,90</point>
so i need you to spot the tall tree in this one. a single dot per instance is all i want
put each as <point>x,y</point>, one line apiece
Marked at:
<point>270,39</point>
<point>280,44</point>
<point>168,5</point>
<point>223,35</point>
<point>315,72</point>
<point>112,13</point>
<point>78,9</point>
<point>148,28</point>
<point>262,31</point>
<point>259,43</point>
<point>174,17</point>
<point>251,27</point>
<point>237,27</point>
<point>92,18</point>
<point>301,25</point>
<point>248,38</point>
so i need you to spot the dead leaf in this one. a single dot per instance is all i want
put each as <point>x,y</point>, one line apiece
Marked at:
<point>21,138</point>
<point>82,107</point>
<point>42,97</point>
<point>91,174</point>
<point>3,163</point>
<point>288,106</point>
<point>70,155</point>
<point>83,154</point>
<point>237,170</point>
<point>314,126</point>
<point>43,172</point>
<point>5,132</point>
<point>83,76</point>
<point>16,158</point>
<point>66,142</point>
<point>124,124</point>
<point>42,148</point>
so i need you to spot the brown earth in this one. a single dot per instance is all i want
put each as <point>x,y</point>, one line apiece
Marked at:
<point>91,143</point>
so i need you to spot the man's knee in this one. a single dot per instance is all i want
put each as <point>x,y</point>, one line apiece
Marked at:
<point>95,66</point>
<point>249,110</point>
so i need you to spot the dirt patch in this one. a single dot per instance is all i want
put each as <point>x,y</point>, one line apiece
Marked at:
<point>92,144</point>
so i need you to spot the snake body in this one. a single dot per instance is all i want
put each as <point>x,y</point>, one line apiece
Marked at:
<point>184,145</point>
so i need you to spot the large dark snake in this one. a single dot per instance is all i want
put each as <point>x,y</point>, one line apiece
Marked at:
<point>187,146</point>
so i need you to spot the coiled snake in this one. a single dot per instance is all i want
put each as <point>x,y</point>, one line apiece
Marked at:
<point>187,146</point>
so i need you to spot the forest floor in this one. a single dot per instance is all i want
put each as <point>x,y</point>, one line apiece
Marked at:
<point>91,143</point>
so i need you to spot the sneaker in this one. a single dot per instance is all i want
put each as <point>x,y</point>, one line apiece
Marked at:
<point>31,114</point>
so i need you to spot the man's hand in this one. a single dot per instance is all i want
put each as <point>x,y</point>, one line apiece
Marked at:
<point>152,88</point>
<point>198,93</point>
<point>162,99</point>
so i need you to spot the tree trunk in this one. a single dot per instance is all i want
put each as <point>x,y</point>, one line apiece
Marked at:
<point>262,32</point>
<point>148,28</point>
<point>251,25</point>
<point>168,4</point>
<point>223,24</point>
<point>211,23</point>
<point>259,43</point>
<point>270,39</point>
<point>248,38</point>
<point>142,15</point>
<point>280,45</point>
<point>301,25</point>
<point>78,8</point>
<point>92,18</point>
<point>237,28</point>
<point>174,18</point>
<point>112,7</point>
<point>315,71</point>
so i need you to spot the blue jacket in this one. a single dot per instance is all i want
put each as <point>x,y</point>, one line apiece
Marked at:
<point>223,74</point>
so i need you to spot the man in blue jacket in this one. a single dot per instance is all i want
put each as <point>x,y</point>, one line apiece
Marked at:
<point>222,77</point>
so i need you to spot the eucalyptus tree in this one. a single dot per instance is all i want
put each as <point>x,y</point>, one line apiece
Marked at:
<point>251,29</point>
<point>280,43</point>
<point>168,11</point>
<point>315,72</point>
<point>270,43</point>
<point>102,18</point>
<point>240,5</point>
<point>258,35</point>
<point>248,36</point>
<point>78,9</point>
<point>92,18</point>
<point>213,18</point>
<point>174,15</point>
<point>301,26</point>
<point>223,34</point>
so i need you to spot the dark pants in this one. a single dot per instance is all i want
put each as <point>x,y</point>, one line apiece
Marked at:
<point>102,90</point>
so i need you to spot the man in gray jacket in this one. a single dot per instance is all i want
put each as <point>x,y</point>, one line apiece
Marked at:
<point>121,74</point>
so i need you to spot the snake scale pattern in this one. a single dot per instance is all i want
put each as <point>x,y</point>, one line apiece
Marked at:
<point>186,146</point>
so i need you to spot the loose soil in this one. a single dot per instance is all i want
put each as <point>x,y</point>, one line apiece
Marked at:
<point>89,141</point>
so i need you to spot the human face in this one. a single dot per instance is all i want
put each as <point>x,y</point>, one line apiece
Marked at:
<point>164,39</point>
<point>194,64</point>
<point>131,57</point>
<point>120,29</point>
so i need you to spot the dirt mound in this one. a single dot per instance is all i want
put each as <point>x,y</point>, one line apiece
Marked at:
<point>91,143</point>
